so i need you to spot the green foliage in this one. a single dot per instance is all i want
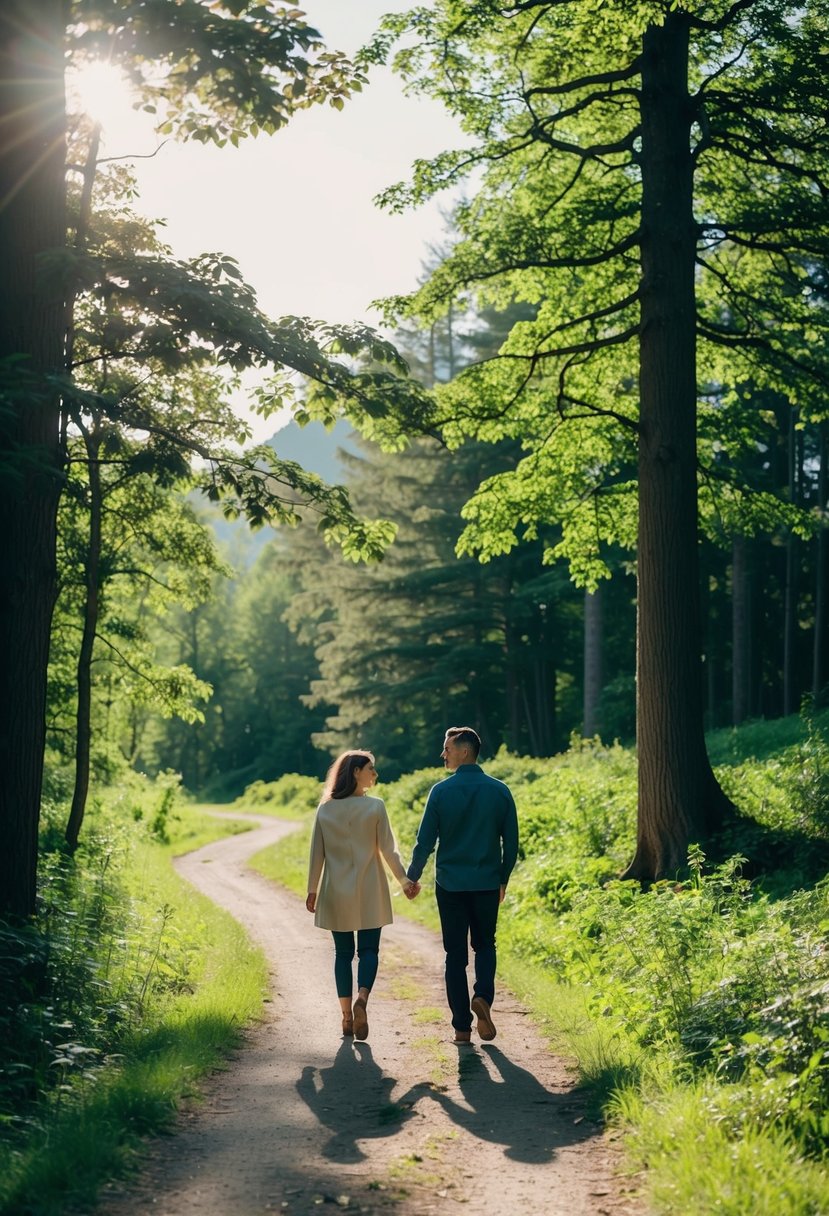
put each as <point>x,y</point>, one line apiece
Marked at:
<point>427,636</point>
<point>698,1164</point>
<point>218,73</point>
<point>306,644</point>
<point>756,740</point>
<point>157,345</point>
<point>152,553</point>
<point>111,1005</point>
<point>788,790</point>
<point>254,726</point>
<point>708,987</point>
<point>291,795</point>
<point>179,333</point>
<point>168,786</point>
<point>552,99</point>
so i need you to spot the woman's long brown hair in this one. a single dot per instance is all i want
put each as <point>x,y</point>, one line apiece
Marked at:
<point>341,779</point>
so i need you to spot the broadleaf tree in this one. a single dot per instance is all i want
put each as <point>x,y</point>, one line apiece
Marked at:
<point>651,177</point>
<point>214,72</point>
<point>129,548</point>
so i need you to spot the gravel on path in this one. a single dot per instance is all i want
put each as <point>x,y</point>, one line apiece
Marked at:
<point>304,1121</point>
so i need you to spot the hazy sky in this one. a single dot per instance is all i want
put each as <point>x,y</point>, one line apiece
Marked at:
<point>296,208</point>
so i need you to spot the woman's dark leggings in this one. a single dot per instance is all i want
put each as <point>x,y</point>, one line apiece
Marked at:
<point>368,950</point>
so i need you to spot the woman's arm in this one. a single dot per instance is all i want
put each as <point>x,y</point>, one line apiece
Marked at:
<point>315,864</point>
<point>388,847</point>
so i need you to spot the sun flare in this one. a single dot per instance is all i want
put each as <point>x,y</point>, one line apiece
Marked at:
<point>101,91</point>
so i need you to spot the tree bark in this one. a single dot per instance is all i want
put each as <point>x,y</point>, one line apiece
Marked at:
<point>83,719</point>
<point>545,702</point>
<point>821,576</point>
<point>790,697</point>
<point>678,793</point>
<point>740,631</point>
<point>593,677</point>
<point>535,745</point>
<point>32,222</point>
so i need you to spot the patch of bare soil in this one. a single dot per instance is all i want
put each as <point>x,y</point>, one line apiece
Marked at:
<point>304,1121</point>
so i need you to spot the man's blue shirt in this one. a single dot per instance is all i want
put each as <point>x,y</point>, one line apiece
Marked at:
<point>472,819</point>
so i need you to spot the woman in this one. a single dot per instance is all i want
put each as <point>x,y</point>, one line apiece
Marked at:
<point>351,832</point>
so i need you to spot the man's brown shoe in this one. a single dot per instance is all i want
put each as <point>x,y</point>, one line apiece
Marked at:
<point>462,1036</point>
<point>486,1027</point>
<point>360,1019</point>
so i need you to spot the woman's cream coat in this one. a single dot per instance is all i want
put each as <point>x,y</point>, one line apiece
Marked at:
<point>350,837</point>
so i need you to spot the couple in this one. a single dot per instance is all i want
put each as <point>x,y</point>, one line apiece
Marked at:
<point>471,818</point>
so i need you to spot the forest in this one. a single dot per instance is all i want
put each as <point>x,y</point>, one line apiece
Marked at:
<point>571,491</point>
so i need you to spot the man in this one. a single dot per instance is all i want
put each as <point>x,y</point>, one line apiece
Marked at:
<point>471,817</point>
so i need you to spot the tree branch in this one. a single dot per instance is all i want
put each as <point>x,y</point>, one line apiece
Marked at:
<point>104,160</point>
<point>593,151</point>
<point>585,82</point>
<point>720,336</point>
<point>579,348</point>
<point>749,241</point>
<point>597,411</point>
<point>728,18</point>
<point>481,275</point>
<point>130,666</point>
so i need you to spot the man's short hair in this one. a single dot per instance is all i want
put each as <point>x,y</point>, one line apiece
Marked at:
<point>465,734</point>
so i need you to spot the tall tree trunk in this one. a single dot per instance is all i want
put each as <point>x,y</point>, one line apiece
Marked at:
<point>195,732</point>
<point>790,691</point>
<point>819,674</point>
<point>535,745</point>
<point>593,678</point>
<point>740,631</point>
<point>450,341</point>
<point>83,719</point>
<point>32,221</point>
<point>678,794</point>
<point>513,717</point>
<point>549,709</point>
<point>545,681</point>
<point>432,372</point>
<point>709,646</point>
<point>511,672</point>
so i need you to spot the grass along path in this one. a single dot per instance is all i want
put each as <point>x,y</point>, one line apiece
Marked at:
<point>404,1122</point>
<point>187,1028</point>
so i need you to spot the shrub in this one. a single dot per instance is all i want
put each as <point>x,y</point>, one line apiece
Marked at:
<point>291,792</point>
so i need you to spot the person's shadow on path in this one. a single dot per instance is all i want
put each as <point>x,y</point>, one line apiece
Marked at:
<point>352,1098</point>
<point>513,1109</point>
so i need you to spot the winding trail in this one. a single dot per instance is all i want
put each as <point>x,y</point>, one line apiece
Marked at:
<point>304,1121</point>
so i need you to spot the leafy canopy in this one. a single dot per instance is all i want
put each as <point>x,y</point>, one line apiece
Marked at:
<point>550,96</point>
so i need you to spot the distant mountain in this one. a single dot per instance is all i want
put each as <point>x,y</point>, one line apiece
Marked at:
<point>315,449</point>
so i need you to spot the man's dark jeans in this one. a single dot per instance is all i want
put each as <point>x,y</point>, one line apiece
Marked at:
<point>468,916</point>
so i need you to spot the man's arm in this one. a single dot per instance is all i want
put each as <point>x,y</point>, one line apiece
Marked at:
<point>427,835</point>
<point>509,842</point>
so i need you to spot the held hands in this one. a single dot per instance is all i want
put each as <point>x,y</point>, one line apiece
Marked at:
<point>411,890</point>
<point>311,901</point>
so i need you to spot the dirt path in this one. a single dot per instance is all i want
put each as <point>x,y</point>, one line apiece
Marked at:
<point>304,1121</point>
